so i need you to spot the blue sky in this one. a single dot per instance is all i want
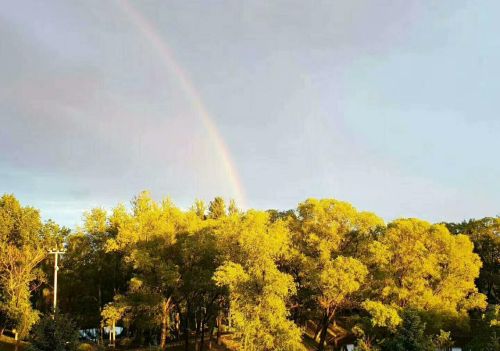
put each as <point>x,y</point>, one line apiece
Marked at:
<point>392,106</point>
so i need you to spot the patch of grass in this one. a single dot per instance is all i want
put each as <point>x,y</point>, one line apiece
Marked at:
<point>85,346</point>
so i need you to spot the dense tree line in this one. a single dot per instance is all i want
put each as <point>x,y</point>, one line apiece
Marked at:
<point>324,273</point>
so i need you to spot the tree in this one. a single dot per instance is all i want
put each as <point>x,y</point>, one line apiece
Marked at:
<point>217,208</point>
<point>158,270</point>
<point>423,267</point>
<point>339,279</point>
<point>111,314</point>
<point>90,276</point>
<point>24,242</point>
<point>258,290</point>
<point>485,235</point>
<point>233,208</point>
<point>199,208</point>
<point>382,315</point>
<point>147,239</point>
<point>197,261</point>
<point>330,238</point>
<point>485,330</point>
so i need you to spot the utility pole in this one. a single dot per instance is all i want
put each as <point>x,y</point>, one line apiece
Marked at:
<point>56,253</point>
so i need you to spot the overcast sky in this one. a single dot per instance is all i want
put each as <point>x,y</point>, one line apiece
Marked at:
<point>390,105</point>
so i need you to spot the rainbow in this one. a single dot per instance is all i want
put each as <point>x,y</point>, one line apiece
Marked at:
<point>187,86</point>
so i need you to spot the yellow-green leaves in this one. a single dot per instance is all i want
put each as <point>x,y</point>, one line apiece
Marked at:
<point>253,237</point>
<point>425,267</point>
<point>443,340</point>
<point>340,278</point>
<point>326,262</point>
<point>382,315</point>
<point>231,274</point>
<point>24,241</point>
<point>149,221</point>
<point>495,320</point>
<point>328,226</point>
<point>111,313</point>
<point>258,290</point>
<point>330,238</point>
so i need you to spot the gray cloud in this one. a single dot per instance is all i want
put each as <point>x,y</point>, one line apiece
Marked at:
<point>388,105</point>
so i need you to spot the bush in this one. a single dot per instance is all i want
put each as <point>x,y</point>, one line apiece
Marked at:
<point>409,335</point>
<point>54,334</point>
<point>485,331</point>
<point>443,341</point>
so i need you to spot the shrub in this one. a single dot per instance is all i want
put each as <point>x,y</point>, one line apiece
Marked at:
<point>409,335</point>
<point>54,334</point>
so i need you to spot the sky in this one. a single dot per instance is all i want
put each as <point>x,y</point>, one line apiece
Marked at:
<point>389,105</point>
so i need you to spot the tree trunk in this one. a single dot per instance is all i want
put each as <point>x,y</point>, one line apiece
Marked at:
<point>211,334</point>
<point>99,301</point>
<point>164,323</point>
<point>324,329</point>
<point>219,325</point>
<point>186,328</point>
<point>101,335</point>
<point>110,337</point>
<point>202,341</point>
<point>114,334</point>
<point>197,323</point>
<point>177,319</point>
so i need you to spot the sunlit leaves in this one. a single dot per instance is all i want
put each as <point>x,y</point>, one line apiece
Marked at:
<point>382,315</point>
<point>429,268</point>
<point>340,278</point>
<point>23,244</point>
<point>258,290</point>
<point>325,262</point>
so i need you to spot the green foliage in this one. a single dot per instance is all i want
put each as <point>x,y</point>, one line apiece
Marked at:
<point>19,226</point>
<point>485,234</point>
<point>258,290</point>
<point>364,342</point>
<point>164,273</point>
<point>217,208</point>
<point>54,334</point>
<point>329,239</point>
<point>24,241</point>
<point>327,227</point>
<point>199,208</point>
<point>340,278</point>
<point>443,340</point>
<point>410,336</point>
<point>90,276</point>
<point>382,315</point>
<point>364,345</point>
<point>424,267</point>
<point>232,208</point>
<point>111,313</point>
<point>485,330</point>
